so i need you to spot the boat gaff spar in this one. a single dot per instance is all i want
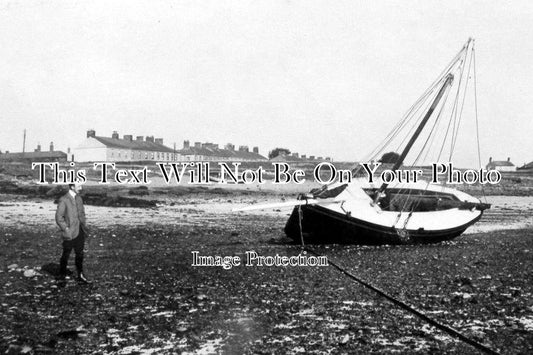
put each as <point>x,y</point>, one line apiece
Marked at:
<point>361,212</point>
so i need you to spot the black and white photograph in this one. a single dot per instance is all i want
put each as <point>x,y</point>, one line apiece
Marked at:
<point>266,177</point>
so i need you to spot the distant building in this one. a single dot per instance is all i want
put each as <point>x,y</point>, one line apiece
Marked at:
<point>212,152</point>
<point>526,167</point>
<point>36,156</point>
<point>501,165</point>
<point>295,157</point>
<point>115,149</point>
<point>282,157</point>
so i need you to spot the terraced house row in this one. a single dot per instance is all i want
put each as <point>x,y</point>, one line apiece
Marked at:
<point>114,148</point>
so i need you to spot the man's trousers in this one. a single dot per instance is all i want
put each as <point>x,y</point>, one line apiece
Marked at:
<point>77,244</point>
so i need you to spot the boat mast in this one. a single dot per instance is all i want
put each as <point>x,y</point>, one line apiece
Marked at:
<point>447,82</point>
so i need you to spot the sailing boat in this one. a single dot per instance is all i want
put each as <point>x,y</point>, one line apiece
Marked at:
<point>360,212</point>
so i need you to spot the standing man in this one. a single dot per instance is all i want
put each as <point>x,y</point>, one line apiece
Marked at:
<point>70,217</point>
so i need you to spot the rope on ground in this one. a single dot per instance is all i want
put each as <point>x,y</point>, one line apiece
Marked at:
<point>453,332</point>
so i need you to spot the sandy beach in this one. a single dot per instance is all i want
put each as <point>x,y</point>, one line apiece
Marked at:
<point>148,297</point>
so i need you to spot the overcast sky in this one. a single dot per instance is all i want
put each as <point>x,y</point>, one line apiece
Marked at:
<point>325,78</point>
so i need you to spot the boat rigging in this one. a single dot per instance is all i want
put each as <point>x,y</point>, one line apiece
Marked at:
<point>360,212</point>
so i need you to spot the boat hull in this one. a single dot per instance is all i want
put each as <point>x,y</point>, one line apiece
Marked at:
<point>323,226</point>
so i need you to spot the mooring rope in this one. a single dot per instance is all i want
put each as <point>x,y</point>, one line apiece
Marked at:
<point>300,218</point>
<point>451,331</point>
<point>447,329</point>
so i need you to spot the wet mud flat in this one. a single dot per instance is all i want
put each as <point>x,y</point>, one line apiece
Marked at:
<point>148,298</point>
